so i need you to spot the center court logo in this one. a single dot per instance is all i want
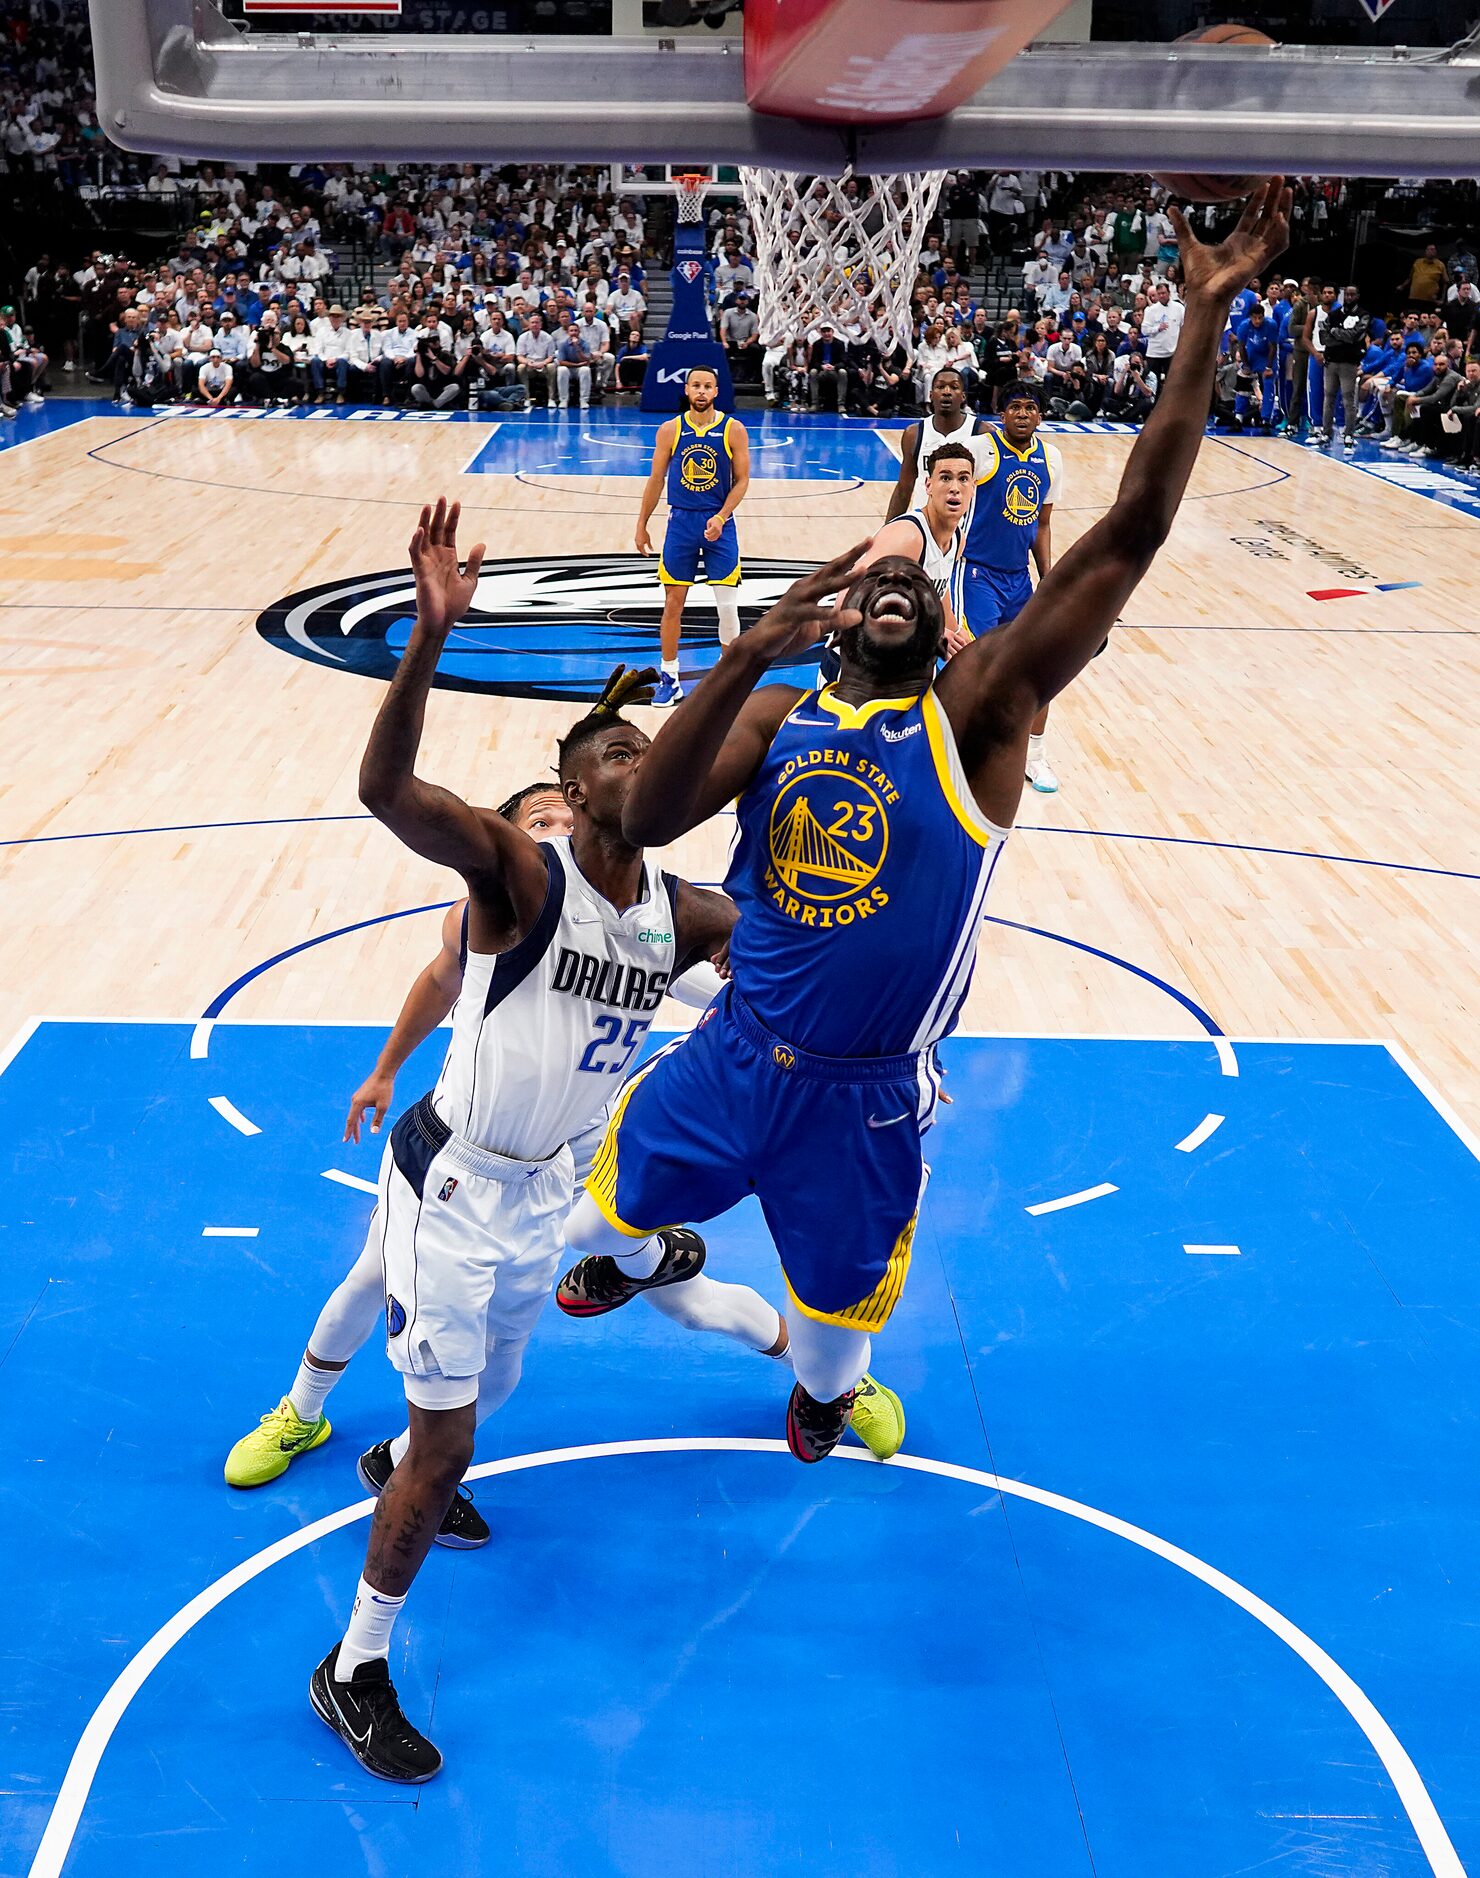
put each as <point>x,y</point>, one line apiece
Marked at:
<point>549,627</point>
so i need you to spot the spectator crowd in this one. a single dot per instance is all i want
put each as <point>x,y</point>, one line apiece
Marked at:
<point>439,286</point>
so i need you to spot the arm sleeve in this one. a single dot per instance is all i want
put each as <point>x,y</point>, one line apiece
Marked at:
<point>698,987</point>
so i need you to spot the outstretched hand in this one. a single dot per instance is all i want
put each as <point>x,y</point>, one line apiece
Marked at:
<point>1263,232</point>
<point>799,619</point>
<point>444,592</point>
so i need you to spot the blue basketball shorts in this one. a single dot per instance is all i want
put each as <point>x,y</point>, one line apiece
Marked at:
<point>829,1146</point>
<point>993,596</point>
<point>685,549</point>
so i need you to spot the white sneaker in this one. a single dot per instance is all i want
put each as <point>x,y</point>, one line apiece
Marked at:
<point>69,366</point>
<point>7,411</point>
<point>1392,443</point>
<point>1041,776</point>
<point>35,402</point>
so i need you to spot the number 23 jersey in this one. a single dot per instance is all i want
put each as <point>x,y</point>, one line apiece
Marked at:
<point>860,872</point>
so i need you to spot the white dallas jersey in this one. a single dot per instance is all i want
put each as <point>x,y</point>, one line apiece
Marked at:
<point>543,1034</point>
<point>930,441</point>
<point>943,565</point>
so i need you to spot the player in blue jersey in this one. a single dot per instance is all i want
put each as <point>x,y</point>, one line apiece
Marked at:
<point>702,458</point>
<point>871,816</point>
<point>1011,521</point>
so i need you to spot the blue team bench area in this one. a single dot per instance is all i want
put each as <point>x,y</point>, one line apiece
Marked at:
<point>1176,1576</point>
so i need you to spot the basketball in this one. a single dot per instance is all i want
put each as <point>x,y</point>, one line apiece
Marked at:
<point>1217,188</point>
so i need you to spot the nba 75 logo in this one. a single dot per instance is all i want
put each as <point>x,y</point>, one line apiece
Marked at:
<point>691,270</point>
<point>449,1187</point>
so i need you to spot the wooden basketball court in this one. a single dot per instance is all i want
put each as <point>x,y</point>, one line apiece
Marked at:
<point>1269,801</point>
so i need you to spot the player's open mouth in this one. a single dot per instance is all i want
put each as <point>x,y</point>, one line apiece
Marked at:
<point>892,603</point>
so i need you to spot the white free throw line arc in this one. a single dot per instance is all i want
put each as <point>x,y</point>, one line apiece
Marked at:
<point>1224,1251</point>
<point>229,1112</point>
<point>1207,1126</point>
<point>229,1232</point>
<point>1423,1815</point>
<point>1073,1199</point>
<point>200,1038</point>
<point>1227,1061</point>
<point>350,1180</point>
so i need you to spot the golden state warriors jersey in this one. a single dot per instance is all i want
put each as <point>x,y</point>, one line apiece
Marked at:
<point>699,472</point>
<point>860,872</point>
<point>1013,488</point>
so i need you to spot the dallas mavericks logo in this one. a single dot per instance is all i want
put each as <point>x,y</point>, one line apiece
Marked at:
<point>395,1317</point>
<point>691,270</point>
<point>550,627</point>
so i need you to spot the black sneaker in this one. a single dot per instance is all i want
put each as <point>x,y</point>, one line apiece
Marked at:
<point>463,1529</point>
<point>598,1284</point>
<point>366,1715</point>
<point>813,1428</point>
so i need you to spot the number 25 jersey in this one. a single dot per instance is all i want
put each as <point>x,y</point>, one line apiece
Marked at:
<point>860,872</point>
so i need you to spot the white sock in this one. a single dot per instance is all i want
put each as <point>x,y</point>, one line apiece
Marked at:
<point>1036,752</point>
<point>732,1310</point>
<point>368,1634</point>
<point>399,1447</point>
<point>311,1389</point>
<point>728,609</point>
<point>671,667</point>
<point>643,1260</point>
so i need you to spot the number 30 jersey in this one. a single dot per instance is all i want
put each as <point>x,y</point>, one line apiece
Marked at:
<point>860,872</point>
<point>543,1034</point>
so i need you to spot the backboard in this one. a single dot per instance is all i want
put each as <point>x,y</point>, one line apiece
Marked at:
<point>181,77</point>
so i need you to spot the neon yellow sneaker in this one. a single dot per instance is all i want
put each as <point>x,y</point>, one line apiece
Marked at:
<point>878,1419</point>
<point>276,1440</point>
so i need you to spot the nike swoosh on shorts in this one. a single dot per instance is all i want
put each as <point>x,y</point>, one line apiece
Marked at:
<point>889,1121</point>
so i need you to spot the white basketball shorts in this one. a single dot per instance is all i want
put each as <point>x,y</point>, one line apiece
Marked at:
<point>471,1244</point>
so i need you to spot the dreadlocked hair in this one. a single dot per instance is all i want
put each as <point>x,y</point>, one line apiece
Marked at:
<point>623,686</point>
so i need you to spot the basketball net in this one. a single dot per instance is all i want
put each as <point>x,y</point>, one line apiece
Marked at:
<point>824,251</point>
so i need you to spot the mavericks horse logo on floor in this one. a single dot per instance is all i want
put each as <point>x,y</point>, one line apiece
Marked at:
<point>548,627</point>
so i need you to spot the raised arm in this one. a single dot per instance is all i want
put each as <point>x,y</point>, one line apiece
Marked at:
<point>993,689</point>
<point>713,743</point>
<point>904,487</point>
<point>504,869</point>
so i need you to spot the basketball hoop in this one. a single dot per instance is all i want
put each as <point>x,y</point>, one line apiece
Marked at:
<point>838,248</point>
<point>690,187</point>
